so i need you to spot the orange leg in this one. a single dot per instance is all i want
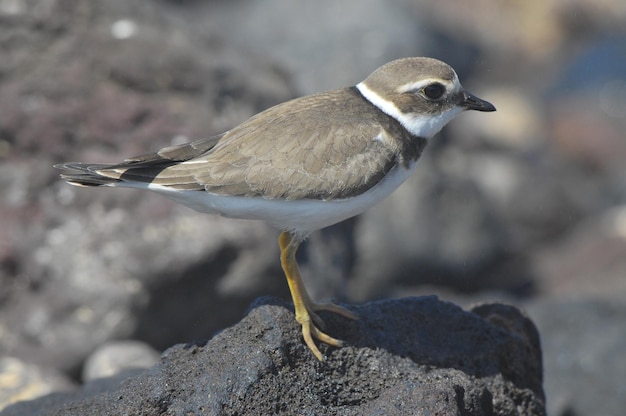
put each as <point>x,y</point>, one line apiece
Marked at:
<point>305,308</point>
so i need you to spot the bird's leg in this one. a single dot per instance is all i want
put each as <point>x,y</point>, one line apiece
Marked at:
<point>305,308</point>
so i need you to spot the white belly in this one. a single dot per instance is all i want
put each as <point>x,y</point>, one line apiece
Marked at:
<point>301,216</point>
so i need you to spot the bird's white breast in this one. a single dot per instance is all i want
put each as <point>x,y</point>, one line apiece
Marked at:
<point>303,216</point>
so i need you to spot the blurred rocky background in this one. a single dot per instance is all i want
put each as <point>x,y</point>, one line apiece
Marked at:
<point>526,205</point>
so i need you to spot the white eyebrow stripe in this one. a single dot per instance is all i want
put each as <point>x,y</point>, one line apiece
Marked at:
<point>451,86</point>
<point>416,86</point>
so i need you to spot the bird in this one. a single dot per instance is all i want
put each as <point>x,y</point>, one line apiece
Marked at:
<point>304,164</point>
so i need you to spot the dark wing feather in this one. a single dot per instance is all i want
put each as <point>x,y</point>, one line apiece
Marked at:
<point>82,174</point>
<point>142,168</point>
<point>172,154</point>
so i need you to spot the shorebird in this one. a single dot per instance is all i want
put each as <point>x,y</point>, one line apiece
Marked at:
<point>304,164</point>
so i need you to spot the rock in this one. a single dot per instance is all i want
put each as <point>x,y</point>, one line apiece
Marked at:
<point>439,228</point>
<point>583,342</point>
<point>589,262</point>
<point>79,267</point>
<point>20,380</point>
<point>498,203</point>
<point>403,357</point>
<point>587,108</point>
<point>114,357</point>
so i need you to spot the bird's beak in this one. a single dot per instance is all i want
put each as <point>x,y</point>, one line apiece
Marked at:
<point>472,102</point>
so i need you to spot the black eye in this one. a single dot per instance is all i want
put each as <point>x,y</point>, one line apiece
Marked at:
<point>434,91</point>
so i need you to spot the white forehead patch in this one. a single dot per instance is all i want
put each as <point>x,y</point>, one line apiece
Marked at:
<point>420,125</point>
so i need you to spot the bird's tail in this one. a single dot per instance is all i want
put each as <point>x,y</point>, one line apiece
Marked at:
<point>137,170</point>
<point>83,174</point>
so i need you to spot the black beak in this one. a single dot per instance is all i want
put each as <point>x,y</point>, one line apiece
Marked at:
<point>472,102</point>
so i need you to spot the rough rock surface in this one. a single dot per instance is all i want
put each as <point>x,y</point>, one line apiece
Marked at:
<point>414,356</point>
<point>100,81</point>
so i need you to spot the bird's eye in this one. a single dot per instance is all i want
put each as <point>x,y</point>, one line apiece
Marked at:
<point>434,91</point>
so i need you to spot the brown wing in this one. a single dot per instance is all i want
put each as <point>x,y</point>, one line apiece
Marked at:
<point>324,146</point>
<point>316,147</point>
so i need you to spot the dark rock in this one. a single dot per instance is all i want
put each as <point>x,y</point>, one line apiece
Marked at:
<point>102,81</point>
<point>583,350</point>
<point>403,357</point>
<point>444,231</point>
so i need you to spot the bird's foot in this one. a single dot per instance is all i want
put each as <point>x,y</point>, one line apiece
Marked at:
<point>310,329</point>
